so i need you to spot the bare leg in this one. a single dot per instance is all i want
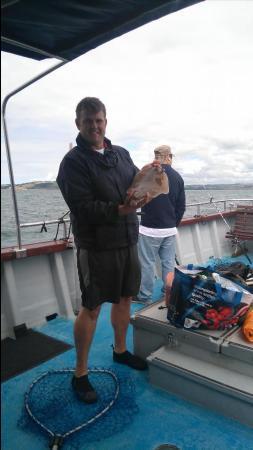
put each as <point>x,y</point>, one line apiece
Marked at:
<point>169,281</point>
<point>84,328</point>
<point>120,318</point>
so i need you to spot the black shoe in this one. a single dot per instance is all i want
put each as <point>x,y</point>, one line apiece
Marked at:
<point>133,361</point>
<point>84,389</point>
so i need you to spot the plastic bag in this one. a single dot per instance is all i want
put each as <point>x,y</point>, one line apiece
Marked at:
<point>237,272</point>
<point>204,299</point>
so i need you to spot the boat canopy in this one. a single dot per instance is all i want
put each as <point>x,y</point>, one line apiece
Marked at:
<point>67,29</point>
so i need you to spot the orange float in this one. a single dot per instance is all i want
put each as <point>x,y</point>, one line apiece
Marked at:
<point>247,327</point>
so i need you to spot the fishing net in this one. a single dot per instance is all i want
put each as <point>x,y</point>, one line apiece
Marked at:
<point>239,272</point>
<point>52,408</point>
<point>225,261</point>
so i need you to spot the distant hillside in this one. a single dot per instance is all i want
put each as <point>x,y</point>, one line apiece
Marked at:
<point>33,185</point>
<point>219,186</point>
<point>53,185</point>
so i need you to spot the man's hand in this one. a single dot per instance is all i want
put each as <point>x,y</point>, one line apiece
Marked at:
<point>135,204</point>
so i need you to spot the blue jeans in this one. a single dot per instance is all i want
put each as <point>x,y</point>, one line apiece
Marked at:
<point>149,248</point>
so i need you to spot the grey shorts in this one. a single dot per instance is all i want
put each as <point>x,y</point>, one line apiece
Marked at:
<point>105,276</point>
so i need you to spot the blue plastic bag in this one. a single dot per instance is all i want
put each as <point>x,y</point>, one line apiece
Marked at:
<point>203,299</point>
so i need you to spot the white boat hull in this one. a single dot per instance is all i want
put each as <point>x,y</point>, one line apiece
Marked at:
<point>42,280</point>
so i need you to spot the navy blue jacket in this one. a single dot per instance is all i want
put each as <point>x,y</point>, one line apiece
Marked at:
<point>166,210</point>
<point>93,185</point>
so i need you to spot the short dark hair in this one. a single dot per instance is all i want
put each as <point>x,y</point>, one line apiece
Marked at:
<point>90,104</point>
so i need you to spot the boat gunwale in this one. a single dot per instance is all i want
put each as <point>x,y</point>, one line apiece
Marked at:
<point>41,248</point>
<point>35,249</point>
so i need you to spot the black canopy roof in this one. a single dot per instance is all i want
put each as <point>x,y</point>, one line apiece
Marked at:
<point>66,29</point>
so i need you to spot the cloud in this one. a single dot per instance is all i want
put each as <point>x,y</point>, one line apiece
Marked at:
<point>184,80</point>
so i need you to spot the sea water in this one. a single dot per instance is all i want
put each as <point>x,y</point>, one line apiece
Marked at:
<point>39,205</point>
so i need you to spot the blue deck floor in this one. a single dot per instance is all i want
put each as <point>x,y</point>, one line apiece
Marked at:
<point>162,418</point>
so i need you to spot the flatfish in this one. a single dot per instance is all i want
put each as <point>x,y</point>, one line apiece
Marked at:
<point>149,179</point>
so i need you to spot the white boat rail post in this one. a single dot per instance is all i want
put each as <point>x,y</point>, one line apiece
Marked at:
<point>20,251</point>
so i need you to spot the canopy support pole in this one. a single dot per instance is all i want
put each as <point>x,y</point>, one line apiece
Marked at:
<point>7,144</point>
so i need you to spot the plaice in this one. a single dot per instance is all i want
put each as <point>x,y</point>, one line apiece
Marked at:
<point>152,180</point>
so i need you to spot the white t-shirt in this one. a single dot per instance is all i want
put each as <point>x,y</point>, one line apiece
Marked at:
<point>100,150</point>
<point>157,232</point>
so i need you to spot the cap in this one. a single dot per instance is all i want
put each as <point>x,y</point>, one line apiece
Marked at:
<point>163,152</point>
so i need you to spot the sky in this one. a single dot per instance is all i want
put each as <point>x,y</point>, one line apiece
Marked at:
<point>184,80</point>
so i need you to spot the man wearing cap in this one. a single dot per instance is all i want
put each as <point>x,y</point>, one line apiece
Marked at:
<point>158,228</point>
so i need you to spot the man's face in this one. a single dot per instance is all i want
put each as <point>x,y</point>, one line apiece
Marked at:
<point>163,157</point>
<point>92,127</point>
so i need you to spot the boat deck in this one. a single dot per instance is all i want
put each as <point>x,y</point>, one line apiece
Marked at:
<point>161,418</point>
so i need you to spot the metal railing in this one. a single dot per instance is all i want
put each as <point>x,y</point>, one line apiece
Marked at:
<point>7,142</point>
<point>227,206</point>
<point>201,208</point>
<point>60,221</point>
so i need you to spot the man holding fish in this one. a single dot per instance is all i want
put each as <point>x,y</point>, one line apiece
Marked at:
<point>94,178</point>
